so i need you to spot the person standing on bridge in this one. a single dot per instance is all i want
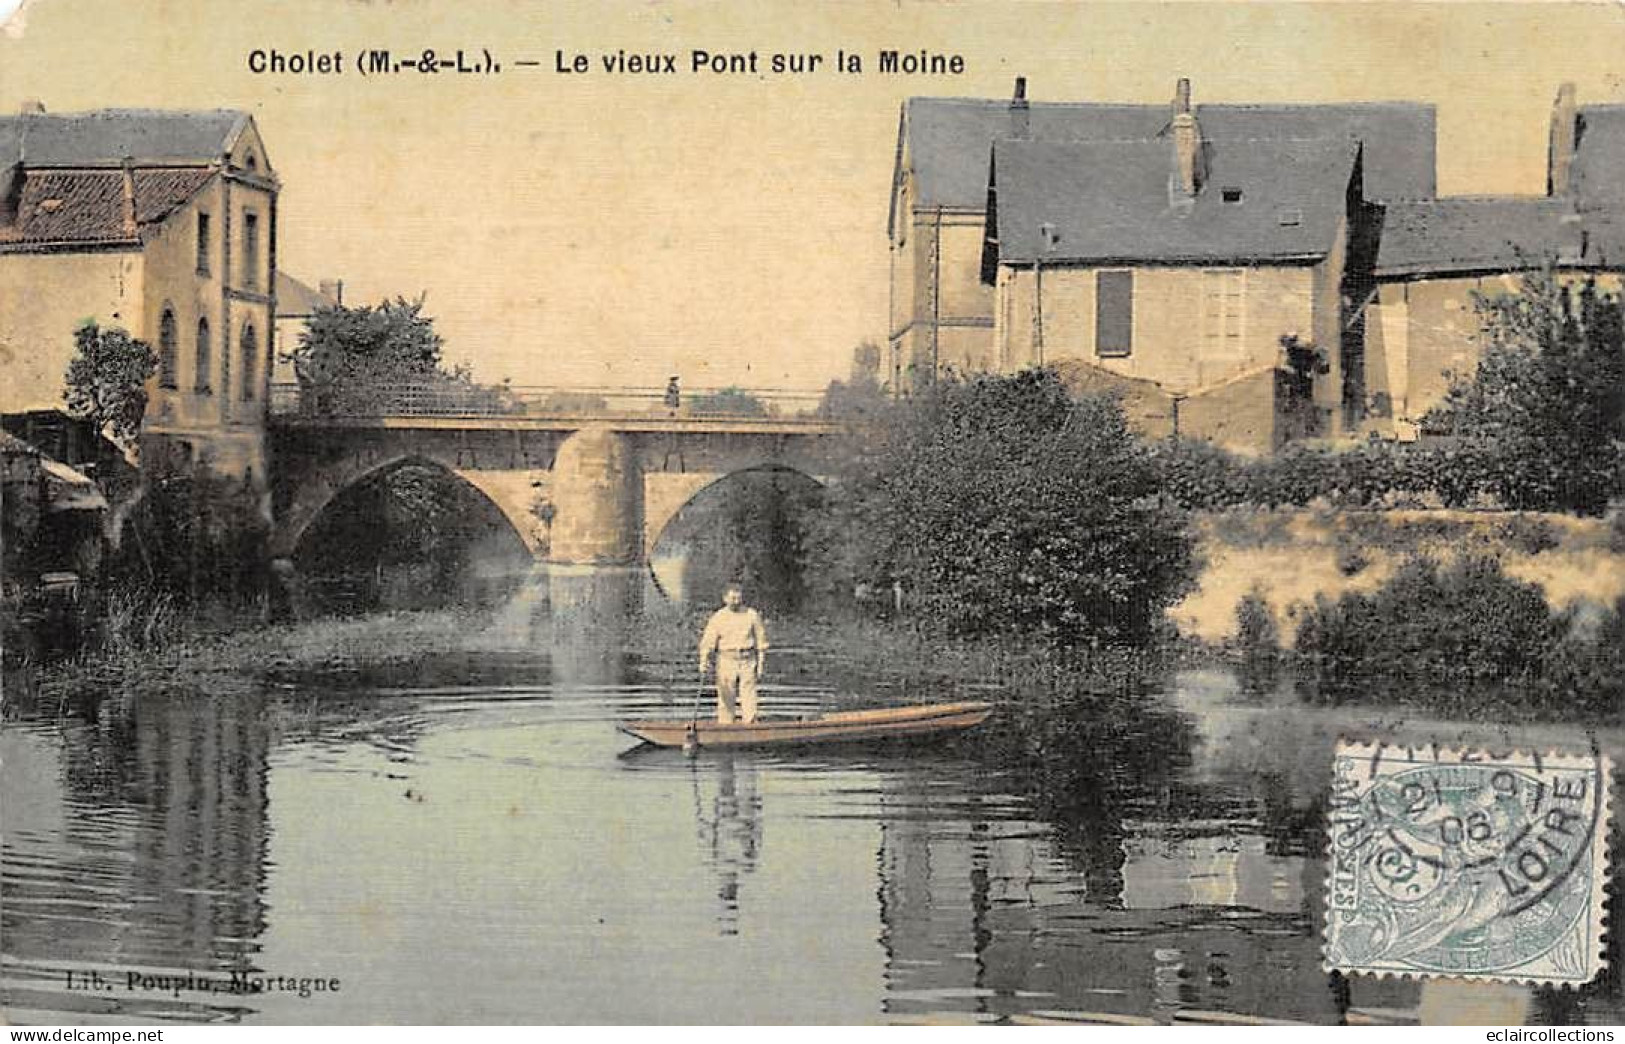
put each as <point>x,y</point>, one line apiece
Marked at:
<point>737,639</point>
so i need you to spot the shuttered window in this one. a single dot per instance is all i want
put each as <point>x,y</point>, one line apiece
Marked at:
<point>1114,313</point>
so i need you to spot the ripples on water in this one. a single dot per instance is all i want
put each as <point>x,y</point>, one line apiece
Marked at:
<point>471,841</point>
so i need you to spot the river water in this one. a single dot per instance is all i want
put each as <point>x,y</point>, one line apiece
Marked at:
<point>468,839</point>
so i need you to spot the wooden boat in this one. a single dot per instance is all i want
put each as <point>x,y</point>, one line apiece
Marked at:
<point>843,727</point>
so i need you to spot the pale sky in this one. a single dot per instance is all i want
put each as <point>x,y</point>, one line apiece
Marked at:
<point>592,229</point>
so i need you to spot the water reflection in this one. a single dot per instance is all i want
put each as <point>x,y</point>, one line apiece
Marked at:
<point>1150,860</point>
<point>137,841</point>
<point>728,818</point>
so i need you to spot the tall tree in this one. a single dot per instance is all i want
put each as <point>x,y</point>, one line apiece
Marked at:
<point>371,355</point>
<point>1546,407</point>
<point>1001,505</point>
<point>106,381</point>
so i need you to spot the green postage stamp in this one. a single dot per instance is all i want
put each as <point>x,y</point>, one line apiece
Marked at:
<point>1470,864</point>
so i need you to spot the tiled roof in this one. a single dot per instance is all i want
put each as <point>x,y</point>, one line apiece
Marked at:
<point>1598,172</point>
<point>109,136</point>
<point>948,138</point>
<point>1496,234</point>
<point>89,206</point>
<point>1112,201</point>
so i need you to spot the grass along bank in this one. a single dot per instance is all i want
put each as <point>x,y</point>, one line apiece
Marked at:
<point>1289,557</point>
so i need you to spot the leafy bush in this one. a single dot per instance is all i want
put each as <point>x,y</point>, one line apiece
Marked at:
<point>729,402</point>
<point>1352,559</point>
<point>1004,506</point>
<point>1530,535</point>
<point>1257,641</point>
<point>106,381</point>
<point>194,538</point>
<point>1451,637</point>
<point>1204,477</point>
<point>1546,405</point>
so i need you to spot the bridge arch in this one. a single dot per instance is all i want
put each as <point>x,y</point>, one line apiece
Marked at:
<point>664,510</point>
<point>322,486</point>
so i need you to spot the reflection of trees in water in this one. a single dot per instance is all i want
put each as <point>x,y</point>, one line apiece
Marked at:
<point>729,824</point>
<point>1086,763</point>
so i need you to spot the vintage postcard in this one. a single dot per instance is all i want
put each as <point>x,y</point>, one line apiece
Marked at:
<point>723,513</point>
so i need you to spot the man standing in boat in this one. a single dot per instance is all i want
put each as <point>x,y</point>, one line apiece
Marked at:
<point>736,637</point>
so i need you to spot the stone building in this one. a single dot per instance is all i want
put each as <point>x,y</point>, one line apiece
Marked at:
<point>1179,263</point>
<point>1243,274</point>
<point>1433,256</point>
<point>159,222</point>
<point>942,311</point>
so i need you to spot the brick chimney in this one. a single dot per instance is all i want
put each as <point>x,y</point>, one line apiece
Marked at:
<point>1560,151</point>
<point>1188,151</point>
<point>1020,122</point>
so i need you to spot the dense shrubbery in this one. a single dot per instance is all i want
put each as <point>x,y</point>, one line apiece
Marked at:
<point>1258,643</point>
<point>383,358</point>
<point>727,402</point>
<point>1546,404</point>
<point>1444,473</point>
<point>1460,638</point>
<point>1003,506</point>
<point>194,540</point>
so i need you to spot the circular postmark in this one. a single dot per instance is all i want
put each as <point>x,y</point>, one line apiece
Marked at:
<point>1462,862</point>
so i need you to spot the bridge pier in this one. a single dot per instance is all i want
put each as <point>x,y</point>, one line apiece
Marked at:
<point>597,500</point>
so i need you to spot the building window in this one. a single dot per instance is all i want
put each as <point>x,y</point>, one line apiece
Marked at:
<point>251,250</point>
<point>202,379</point>
<point>1114,313</point>
<point>250,352</point>
<point>1223,310</point>
<point>225,371</point>
<point>166,348</point>
<point>1230,194</point>
<point>202,244</point>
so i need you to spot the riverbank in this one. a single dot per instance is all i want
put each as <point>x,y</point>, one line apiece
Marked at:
<point>1289,557</point>
<point>227,661</point>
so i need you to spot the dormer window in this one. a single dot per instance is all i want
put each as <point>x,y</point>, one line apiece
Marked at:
<point>1230,194</point>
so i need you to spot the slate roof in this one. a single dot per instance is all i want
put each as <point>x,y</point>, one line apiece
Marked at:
<point>108,136</point>
<point>1597,176</point>
<point>1112,201</point>
<point>948,138</point>
<point>1504,233</point>
<point>295,299</point>
<point>89,206</point>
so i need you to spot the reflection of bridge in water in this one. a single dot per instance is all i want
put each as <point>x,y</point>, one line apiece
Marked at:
<point>585,476</point>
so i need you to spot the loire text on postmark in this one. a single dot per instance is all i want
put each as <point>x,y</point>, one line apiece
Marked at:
<point>1471,864</point>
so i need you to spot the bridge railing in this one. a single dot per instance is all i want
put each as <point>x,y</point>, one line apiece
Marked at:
<point>457,400</point>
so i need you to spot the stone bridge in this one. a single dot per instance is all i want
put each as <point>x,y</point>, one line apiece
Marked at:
<point>582,490</point>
